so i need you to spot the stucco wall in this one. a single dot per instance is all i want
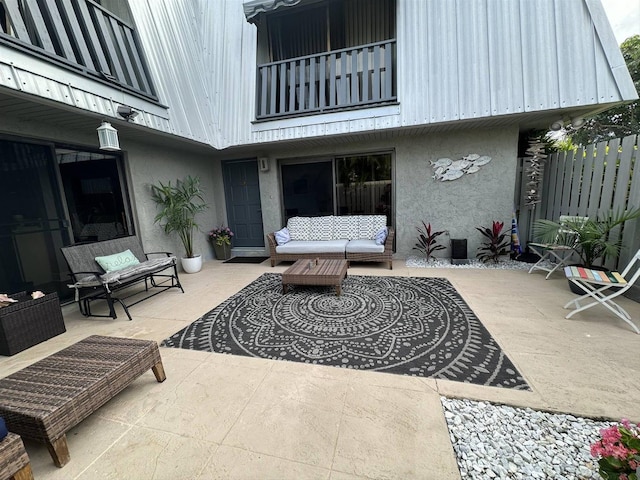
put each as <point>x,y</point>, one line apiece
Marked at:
<point>460,205</point>
<point>456,206</point>
<point>148,165</point>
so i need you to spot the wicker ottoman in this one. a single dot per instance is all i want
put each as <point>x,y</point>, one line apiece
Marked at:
<point>43,401</point>
<point>14,461</point>
<point>29,322</point>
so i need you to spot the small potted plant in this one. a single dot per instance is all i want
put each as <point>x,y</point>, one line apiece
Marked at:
<point>618,452</point>
<point>221,240</point>
<point>179,205</point>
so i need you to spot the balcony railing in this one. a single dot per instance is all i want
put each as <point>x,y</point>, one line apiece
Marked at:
<point>347,78</point>
<point>81,35</point>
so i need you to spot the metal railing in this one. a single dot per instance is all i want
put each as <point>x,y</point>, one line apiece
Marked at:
<point>347,78</point>
<point>81,35</point>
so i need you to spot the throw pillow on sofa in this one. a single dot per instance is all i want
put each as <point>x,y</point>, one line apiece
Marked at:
<point>381,236</point>
<point>282,236</point>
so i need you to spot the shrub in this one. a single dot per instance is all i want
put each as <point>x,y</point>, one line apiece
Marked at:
<point>496,245</point>
<point>427,243</point>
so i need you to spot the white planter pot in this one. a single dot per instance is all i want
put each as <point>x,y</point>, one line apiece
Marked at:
<point>192,265</point>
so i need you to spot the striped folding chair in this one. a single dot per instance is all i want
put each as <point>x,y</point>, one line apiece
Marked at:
<point>597,286</point>
<point>558,252</point>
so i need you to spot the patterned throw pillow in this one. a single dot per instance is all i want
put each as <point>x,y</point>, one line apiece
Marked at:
<point>370,225</point>
<point>345,227</point>
<point>282,236</point>
<point>299,228</point>
<point>321,228</point>
<point>381,236</point>
<point>117,261</point>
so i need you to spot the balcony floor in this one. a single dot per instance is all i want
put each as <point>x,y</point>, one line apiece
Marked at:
<point>223,416</point>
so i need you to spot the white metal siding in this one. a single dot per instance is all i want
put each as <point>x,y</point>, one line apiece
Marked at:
<point>457,60</point>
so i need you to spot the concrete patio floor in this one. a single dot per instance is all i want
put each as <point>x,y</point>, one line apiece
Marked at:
<point>228,417</point>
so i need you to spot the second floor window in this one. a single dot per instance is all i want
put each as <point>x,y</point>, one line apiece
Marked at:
<point>332,25</point>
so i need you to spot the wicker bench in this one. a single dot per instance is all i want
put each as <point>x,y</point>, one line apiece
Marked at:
<point>43,401</point>
<point>156,269</point>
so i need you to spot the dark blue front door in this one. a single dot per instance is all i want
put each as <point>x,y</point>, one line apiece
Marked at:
<point>244,210</point>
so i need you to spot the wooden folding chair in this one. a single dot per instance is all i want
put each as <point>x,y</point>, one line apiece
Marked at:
<point>560,251</point>
<point>596,283</point>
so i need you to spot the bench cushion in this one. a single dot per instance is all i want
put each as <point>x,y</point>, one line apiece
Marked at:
<point>126,273</point>
<point>313,246</point>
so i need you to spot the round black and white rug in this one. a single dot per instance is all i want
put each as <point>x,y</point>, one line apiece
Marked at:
<point>402,325</point>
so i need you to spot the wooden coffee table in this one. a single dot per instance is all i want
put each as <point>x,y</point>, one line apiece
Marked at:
<point>307,272</point>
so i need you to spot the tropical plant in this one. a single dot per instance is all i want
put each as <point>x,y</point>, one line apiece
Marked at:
<point>179,205</point>
<point>496,246</point>
<point>621,120</point>
<point>427,243</point>
<point>618,452</point>
<point>592,239</point>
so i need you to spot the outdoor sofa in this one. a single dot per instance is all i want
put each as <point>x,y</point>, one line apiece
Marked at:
<point>358,238</point>
<point>100,269</point>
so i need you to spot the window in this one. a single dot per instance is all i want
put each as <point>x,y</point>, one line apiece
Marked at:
<point>298,32</point>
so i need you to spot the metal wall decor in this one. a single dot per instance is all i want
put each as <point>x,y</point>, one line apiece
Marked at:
<point>447,169</point>
<point>534,163</point>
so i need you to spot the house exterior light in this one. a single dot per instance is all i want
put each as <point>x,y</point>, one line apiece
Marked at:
<point>108,137</point>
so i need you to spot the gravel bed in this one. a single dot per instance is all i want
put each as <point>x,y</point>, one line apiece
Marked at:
<point>502,442</point>
<point>421,262</point>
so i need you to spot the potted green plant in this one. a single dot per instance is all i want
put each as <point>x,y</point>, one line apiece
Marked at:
<point>179,205</point>
<point>591,239</point>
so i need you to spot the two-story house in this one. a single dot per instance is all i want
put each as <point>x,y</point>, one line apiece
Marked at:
<point>281,107</point>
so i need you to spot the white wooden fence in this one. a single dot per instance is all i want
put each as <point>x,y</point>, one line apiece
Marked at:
<point>590,181</point>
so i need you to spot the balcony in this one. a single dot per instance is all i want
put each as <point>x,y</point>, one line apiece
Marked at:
<point>79,35</point>
<point>356,77</point>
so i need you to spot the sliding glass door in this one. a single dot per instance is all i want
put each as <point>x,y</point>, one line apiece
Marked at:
<point>53,197</point>
<point>342,185</point>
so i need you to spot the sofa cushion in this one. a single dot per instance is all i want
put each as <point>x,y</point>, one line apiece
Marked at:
<point>299,228</point>
<point>312,246</point>
<point>321,228</point>
<point>364,246</point>
<point>370,225</point>
<point>345,227</point>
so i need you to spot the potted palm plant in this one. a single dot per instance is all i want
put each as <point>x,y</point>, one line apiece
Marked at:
<point>179,205</point>
<point>591,239</point>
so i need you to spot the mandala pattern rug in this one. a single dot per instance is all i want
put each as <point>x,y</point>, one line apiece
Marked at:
<point>409,326</point>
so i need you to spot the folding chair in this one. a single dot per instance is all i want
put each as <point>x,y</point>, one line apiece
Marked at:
<point>558,252</point>
<point>595,283</point>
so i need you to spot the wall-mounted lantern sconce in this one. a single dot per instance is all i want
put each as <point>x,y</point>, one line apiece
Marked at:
<point>578,122</point>
<point>263,162</point>
<point>557,125</point>
<point>108,137</point>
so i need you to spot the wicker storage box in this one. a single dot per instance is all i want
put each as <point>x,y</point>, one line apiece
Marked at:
<point>29,322</point>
